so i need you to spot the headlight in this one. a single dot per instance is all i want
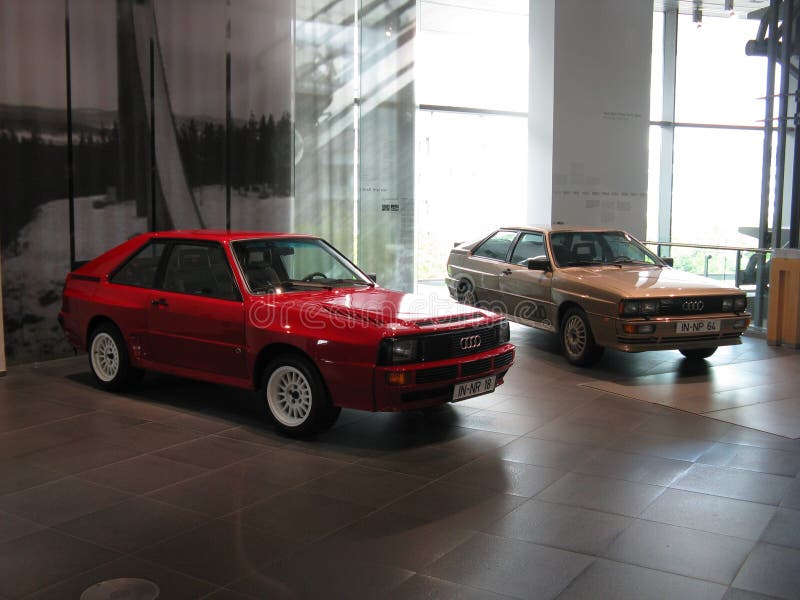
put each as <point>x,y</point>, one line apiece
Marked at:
<point>727,304</point>
<point>740,303</point>
<point>503,332</point>
<point>399,351</point>
<point>629,308</point>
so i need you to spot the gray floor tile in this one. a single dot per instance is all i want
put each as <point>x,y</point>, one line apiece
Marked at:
<point>706,512</point>
<point>17,474</point>
<point>505,476</point>
<point>545,453</point>
<point>60,501</point>
<point>689,552</point>
<point>142,474</point>
<point>149,437</point>
<point>12,527</point>
<point>608,579</point>
<point>665,446</point>
<point>735,483</point>
<point>784,529</point>
<point>737,594</point>
<point>566,527</point>
<point>364,485</point>
<point>499,422</point>
<point>791,499</point>
<point>132,525</point>
<point>220,552</point>
<point>763,460</point>
<point>511,567</point>
<point>771,570</point>
<point>79,455</point>
<point>211,452</point>
<point>687,425</point>
<point>171,584</point>
<point>421,587</point>
<point>573,430</point>
<point>300,516</point>
<point>639,468</point>
<point>335,577</point>
<point>601,493</point>
<point>43,558</point>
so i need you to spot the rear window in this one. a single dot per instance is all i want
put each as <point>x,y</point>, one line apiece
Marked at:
<point>496,247</point>
<point>141,268</point>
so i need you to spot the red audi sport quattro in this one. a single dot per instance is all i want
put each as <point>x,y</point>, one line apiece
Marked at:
<point>284,314</point>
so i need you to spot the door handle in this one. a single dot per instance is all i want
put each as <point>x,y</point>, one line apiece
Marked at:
<point>507,272</point>
<point>159,302</point>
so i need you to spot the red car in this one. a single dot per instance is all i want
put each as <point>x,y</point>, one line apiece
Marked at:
<point>284,314</point>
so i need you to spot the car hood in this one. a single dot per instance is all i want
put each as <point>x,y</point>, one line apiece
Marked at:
<point>399,310</point>
<point>641,281</point>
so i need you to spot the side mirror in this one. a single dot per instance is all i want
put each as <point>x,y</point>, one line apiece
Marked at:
<point>669,260</point>
<point>373,276</point>
<point>540,263</point>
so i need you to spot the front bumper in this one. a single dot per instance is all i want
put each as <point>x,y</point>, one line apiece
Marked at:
<point>433,383</point>
<point>615,333</point>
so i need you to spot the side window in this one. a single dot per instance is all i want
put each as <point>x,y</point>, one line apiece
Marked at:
<point>140,270</point>
<point>200,269</point>
<point>496,247</point>
<point>530,245</point>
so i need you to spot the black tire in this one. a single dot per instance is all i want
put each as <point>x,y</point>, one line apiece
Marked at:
<point>465,292</point>
<point>698,353</point>
<point>296,397</point>
<point>577,339</point>
<point>109,360</point>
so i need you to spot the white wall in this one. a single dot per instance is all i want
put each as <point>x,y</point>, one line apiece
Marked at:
<point>600,109</point>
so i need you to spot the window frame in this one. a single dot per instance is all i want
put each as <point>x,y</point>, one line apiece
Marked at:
<point>162,270</point>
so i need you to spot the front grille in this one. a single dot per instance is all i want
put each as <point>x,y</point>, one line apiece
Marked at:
<point>689,306</point>
<point>475,367</point>
<point>503,360</point>
<point>450,345</point>
<point>437,374</point>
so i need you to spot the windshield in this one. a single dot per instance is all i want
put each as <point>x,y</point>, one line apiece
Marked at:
<point>287,265</point>
<point>581,248</point>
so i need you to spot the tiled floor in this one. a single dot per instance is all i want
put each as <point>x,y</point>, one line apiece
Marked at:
<point>545,489</point>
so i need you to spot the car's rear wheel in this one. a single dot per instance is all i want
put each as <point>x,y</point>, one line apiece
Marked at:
<point>577,339</point>
<point>109,360</point>
<point>296,396</point>
<point>698,353</point>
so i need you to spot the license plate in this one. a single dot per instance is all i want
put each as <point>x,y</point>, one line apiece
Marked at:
<point>476,387</point>
<point>695,327</point>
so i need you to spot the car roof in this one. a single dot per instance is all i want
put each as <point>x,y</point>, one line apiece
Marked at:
<point>560,227</point>
<point>222,235</point>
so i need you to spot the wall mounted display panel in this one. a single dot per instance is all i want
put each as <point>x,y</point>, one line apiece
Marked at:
<point>34,212</point>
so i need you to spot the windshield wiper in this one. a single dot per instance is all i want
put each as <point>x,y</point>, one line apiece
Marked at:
<point>626,260</point>
<point>352,282</point>
<point>583,263</point>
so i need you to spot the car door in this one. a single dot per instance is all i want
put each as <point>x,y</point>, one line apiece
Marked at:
<point>487,262</point>
<point>197,318</point>
<point>526,292</point>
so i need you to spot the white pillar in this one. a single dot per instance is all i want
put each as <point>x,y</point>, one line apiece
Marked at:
<point>596,98</point>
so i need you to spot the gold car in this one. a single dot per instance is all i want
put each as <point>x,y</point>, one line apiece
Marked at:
<point>596,288</point>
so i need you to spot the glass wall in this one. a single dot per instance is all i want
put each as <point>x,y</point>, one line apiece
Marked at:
<point>472,128</point>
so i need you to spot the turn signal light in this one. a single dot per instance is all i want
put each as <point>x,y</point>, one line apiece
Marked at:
<point>639,328</point>
<point>398,377</point>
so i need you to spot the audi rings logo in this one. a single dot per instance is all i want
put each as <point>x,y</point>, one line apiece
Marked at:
<point>693,305</point>
<point>470,342</point>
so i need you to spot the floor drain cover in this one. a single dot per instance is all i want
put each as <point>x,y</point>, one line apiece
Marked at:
<point>122,589</point>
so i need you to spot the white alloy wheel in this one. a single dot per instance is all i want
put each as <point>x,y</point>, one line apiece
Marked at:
<point>105,357</point>
<point>289,396</point>
<point>575,336</point>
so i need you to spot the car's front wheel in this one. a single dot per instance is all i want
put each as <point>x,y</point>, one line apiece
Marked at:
<point>577,340</point>
<point>698,353</point>
<point>465,292</point>
<point>109,360</point>
<point>296,396</point>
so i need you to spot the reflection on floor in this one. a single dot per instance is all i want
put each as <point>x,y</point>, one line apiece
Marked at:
<point>545,489</point>
<point>755,387</point>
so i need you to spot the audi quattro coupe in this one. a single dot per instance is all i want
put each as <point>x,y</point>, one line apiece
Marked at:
<point>596,288</point>
<point>283,314</point>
